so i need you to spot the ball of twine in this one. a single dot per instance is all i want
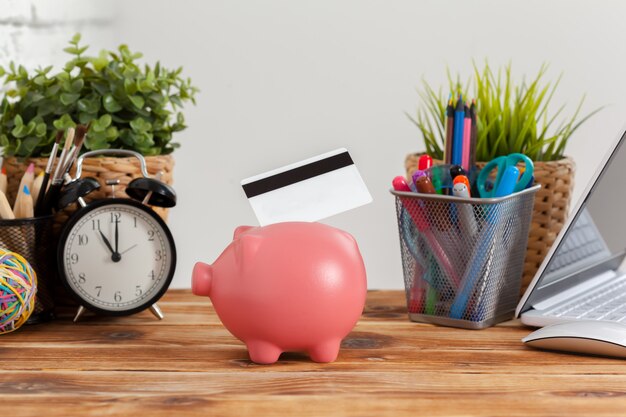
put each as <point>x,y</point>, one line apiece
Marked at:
<point>18,285</point>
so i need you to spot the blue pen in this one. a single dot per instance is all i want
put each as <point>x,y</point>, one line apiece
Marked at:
<point>457,143</point>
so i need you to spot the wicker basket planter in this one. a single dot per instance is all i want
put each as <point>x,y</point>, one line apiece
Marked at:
<point>101,168</point>
<point>551,208</point>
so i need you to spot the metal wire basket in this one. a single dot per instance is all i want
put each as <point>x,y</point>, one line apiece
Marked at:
<point>463,258</point>
<point>33,239</point>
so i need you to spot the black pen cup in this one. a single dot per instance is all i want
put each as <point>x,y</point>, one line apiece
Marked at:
<point>34,240</point>
<point>463,258</point>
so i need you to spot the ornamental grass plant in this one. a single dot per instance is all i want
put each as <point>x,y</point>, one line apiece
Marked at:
<point>511,116</point>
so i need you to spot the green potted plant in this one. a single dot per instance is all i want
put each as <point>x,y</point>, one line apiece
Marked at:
<point>128,106</point>
<point>512,117</point>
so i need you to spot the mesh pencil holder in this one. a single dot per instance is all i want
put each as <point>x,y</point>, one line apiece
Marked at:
<point>463,258</point>
<point>33,238</point>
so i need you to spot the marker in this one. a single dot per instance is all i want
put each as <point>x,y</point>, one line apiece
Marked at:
<point>459,122</point>
<point>456,170</point>
<point>416,175</point>
<point>424,185</point>
<point>463,180</point>
<point>424,162</point>
<point>467,131</point>
<point>417,214</point>
<point>466,212</point>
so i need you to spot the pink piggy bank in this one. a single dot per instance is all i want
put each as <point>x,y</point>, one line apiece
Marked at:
<point>287,287</point>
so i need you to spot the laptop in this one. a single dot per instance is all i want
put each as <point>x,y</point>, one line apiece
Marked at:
<point>583,276</point>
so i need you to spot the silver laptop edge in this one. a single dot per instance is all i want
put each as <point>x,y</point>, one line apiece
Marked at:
<point>523,305</point>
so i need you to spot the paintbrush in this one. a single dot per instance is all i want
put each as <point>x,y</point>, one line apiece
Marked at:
<point>46,176</point>
<point>79,139</point>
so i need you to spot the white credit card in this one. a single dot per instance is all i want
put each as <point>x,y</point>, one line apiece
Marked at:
<point>308,190</point>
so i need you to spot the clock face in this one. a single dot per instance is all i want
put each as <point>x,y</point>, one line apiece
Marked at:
<point>117,256</point>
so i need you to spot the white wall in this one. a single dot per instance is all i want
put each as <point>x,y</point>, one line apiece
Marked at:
<point>284,80</point>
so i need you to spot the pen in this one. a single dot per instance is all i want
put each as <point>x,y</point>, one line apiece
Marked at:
<point>457,142</point>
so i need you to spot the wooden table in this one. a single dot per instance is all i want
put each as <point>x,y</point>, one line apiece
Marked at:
<point>189,364</point>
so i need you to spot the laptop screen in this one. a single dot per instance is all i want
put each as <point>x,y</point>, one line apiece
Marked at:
<point>595,240</point>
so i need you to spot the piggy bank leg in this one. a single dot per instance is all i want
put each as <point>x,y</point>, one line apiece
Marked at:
<point>325,351</point>
<point>263,352</point>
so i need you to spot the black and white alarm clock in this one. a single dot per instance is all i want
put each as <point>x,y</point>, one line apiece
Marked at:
<point>116,256</point>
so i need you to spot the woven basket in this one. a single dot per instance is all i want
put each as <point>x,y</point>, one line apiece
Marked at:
<point>101,168</point>
<point>550,212</point>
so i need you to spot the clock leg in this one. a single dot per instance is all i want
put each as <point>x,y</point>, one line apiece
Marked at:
<point>79,313</point>
<point>154,309</point>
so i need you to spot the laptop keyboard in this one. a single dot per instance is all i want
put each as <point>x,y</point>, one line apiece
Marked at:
<point>608,302</point>
<point>582,242</point>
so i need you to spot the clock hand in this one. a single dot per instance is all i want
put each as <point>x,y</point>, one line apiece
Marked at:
<point>106,241</point>
<point>117,237</point>
<point>121,253</point>
<point>115,257</point>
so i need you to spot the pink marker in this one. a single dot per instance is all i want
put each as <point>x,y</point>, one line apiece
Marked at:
<point>465,158</point>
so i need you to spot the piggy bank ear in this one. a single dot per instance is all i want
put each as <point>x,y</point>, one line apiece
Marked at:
<point>246,248</point>
<point>240,230</point>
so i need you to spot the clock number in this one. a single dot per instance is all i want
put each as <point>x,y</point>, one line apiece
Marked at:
<point>159,255</point>
<point>83,240</point>
<point>81,278</point>
<point>74,258</point>
<point>99,289</point>
<point>95,224</point>
<point>151,236</point>
<point>115,217</point>
<point>118,296</point>
<point>138,291</point>
<point>135,221</point>
<point>151,275</point>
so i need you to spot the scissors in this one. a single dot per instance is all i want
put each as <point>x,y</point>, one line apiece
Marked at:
<point>502,163</point>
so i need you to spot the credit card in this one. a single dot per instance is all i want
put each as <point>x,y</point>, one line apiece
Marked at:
<point>309,190</point>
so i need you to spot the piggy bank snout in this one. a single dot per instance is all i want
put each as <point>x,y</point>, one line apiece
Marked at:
<point>201,279</point>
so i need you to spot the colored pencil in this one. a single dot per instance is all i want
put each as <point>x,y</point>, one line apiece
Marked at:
<point>26,181</point>
<point>3,180</point>
<point>465,151</point>
<point>23,204</point>
<point>457,141</point>
<point>447,154</point>
<point>5,208</point>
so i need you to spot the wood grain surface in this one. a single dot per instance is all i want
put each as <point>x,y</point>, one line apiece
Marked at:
<point>188,364</point>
